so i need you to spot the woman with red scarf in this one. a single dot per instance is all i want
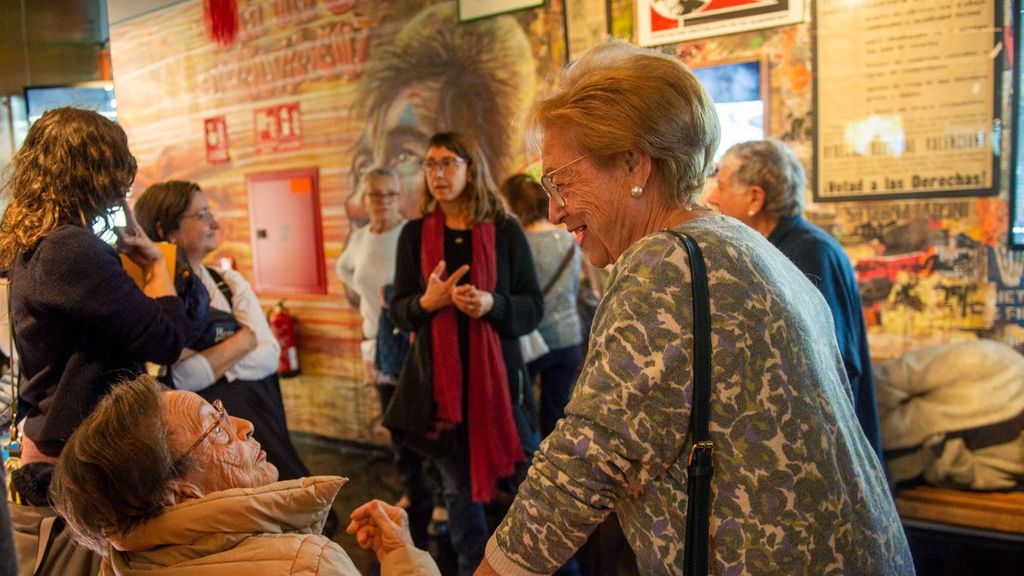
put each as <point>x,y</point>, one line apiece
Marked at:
<point>465,286</point>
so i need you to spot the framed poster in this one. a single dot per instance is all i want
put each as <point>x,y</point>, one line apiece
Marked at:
<point>586,25</point>
<point>475,9</point>
<point>740,91</point>
<point>907,99</point>
<point>668,21</point>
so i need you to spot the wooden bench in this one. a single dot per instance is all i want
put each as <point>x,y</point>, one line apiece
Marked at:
<point>960,533</point>
<point>998,511</point>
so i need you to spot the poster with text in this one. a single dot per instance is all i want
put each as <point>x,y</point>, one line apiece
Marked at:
<point>667,21</point>
<point>906,96</point>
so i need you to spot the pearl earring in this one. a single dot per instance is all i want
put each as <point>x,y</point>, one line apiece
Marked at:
<point>636,191</point>
<point>751,212</point>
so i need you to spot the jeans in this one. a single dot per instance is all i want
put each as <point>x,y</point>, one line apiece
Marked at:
<point>467,522</point>
<point>557,370</point>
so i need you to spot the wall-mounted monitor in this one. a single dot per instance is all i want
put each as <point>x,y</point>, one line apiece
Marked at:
<point>739,90</point>
<point>1016,236</point>
<point>96,96</point>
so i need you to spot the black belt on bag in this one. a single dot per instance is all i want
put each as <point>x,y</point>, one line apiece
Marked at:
<point>698,464</point>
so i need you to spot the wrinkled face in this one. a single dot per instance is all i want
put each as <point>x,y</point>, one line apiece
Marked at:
<point>399,144</point>
<point>197,232</point>
<point>730,197</point>
<point>228,457</point>
<point>597,203</point>
<point>449,175</point>
<point>381,195</point>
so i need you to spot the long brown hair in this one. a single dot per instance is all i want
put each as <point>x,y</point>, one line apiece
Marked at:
<point>485,205</point>
<point>73,168</point>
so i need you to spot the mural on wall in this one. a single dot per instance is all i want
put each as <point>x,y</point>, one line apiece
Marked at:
<point>437,76</point>
<point>369,81</point>
<point>340,85</point>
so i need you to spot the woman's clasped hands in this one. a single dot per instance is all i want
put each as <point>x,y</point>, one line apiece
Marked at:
<point>443,292</point>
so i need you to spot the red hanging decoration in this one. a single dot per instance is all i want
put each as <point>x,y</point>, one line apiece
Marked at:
<point>221,19</point>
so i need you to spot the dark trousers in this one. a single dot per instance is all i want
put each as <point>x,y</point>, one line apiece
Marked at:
<point>557,371</point>
<point>467,520</point>
<point>419,485</point>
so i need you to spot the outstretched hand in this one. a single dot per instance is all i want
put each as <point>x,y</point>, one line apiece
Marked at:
<point>381,527</point>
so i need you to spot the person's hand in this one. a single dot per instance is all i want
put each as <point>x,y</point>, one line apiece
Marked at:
<point>439,291</point>
<point>472,302</point>
<point>381,527</point>
<point>249,337</point>
<point>369,373</point>
<point>133,242</point>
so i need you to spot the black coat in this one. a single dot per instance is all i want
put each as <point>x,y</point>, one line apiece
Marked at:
<point>518,309</point>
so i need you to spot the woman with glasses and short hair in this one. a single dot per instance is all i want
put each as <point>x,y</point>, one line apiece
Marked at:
<point>162,482</point>
<point>465,284</point>
<point>236,357</point>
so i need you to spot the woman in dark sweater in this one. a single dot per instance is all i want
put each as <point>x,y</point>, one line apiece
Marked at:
<point>81,324</point>
<point>465,284</point>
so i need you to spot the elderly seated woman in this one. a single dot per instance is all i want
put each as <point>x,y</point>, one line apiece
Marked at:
<point>163,482</point>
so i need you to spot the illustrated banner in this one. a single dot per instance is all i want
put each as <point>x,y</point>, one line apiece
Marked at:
<point>668,21</point>
<point>906,98</point>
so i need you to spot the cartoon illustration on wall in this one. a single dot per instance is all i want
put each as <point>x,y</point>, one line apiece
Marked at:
<point>438,75</point>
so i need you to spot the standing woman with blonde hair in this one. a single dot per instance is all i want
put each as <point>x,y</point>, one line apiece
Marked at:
<point>465,284</point>
<point>792,484</point>
<point>81,324</point>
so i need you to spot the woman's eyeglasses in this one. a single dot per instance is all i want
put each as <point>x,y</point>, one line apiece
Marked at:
<point>446,164</point>
<point>381,196</point>
<point>217,426</point>
<point>204,215</point>
<point>549,185</point>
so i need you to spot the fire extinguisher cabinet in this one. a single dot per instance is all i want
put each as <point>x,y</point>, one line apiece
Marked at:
<point>282,324</point>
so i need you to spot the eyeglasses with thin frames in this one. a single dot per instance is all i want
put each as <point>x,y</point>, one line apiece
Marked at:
<point>222,416</point>
<point>447,164</point>
<point>549,185</point>
<point>204,215</point>
<point>381,196</point>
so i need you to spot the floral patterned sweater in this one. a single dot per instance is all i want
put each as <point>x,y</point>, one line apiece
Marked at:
<point>797,488</point>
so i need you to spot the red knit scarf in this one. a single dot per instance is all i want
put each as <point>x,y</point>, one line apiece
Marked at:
<point>494,445</point>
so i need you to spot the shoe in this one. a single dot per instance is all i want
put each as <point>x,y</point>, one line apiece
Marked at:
<point>437,528</point>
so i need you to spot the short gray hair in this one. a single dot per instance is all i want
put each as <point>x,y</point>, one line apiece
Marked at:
<point>619,97</point>
<point>771,165</point>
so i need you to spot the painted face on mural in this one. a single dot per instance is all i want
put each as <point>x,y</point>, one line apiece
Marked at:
<point>399,143</point>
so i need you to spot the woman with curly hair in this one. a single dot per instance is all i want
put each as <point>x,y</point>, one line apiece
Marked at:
<point>80,322</point>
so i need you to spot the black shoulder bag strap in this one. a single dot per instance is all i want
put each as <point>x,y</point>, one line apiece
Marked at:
<point>561,268</point>
<point>221,284</point>
<point>699,465</point>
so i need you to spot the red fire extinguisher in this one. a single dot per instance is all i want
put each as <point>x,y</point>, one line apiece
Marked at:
<point>282,324</point>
